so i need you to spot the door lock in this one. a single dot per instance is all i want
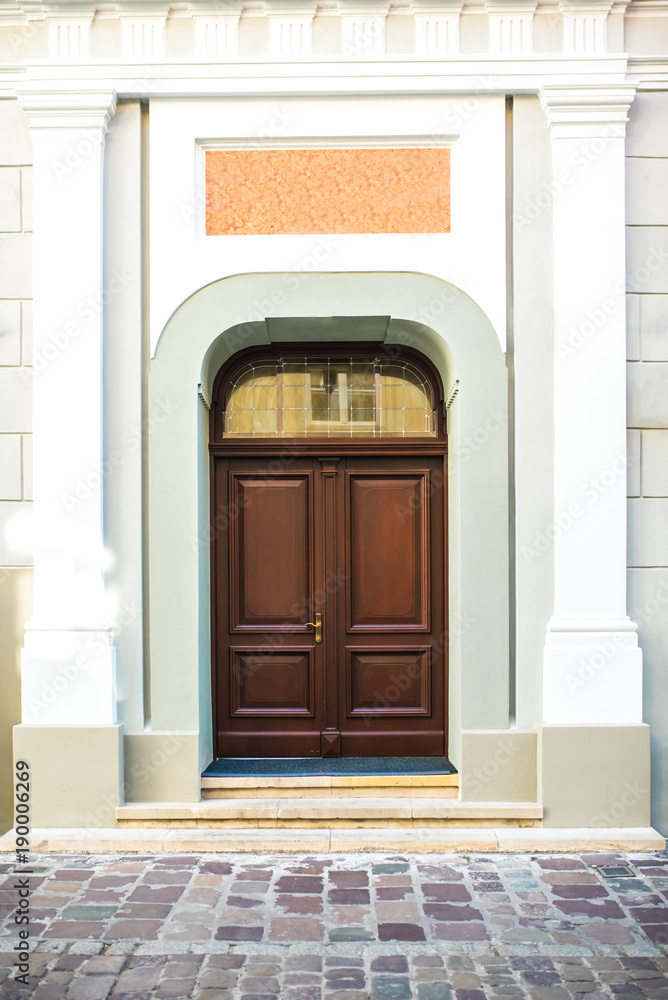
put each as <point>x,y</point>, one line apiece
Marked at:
<point>317,625</point>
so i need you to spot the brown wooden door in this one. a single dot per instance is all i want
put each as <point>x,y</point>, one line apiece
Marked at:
<point>360,540</point>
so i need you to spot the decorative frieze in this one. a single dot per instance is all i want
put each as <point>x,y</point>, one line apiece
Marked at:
<point>216,35</point>
<point>511,28</point>
<point>143,36</point>
<point>437,31</point>
<point>363,34</point>
<point>290,35</point>
<point>69,37</point>
<point>585,28</point>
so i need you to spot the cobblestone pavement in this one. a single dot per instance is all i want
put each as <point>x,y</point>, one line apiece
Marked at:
<point>428,927</point>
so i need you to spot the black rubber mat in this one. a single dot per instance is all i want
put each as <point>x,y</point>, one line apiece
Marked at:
<point>250,767</point>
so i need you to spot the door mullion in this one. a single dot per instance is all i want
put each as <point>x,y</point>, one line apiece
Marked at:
<point>331,737</point>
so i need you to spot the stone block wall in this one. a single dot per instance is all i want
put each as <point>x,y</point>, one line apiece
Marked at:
<point>15,423</point>
<point>647,416</point>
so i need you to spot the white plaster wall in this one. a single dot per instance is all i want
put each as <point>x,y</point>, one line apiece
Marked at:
<point>647,314</point>
<point>124,425</point>
<point>533,374</point>
<point>471,256</point>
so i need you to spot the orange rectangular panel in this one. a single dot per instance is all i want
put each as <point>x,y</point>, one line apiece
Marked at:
<point>277,191</point>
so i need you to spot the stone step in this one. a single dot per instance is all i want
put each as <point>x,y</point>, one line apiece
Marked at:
<point>326,786</point>
<point>489,839</point>
<point>332,812</point>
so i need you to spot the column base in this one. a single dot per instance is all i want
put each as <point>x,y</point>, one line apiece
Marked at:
<point>592,677</point>
<point>76,773</point>
<point>68,678</point>
<point>594,776</point>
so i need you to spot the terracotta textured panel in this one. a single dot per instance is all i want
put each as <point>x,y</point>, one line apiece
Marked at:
<point>267,192</point>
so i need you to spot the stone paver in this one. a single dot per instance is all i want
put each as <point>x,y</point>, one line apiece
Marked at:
<point>353,927</point>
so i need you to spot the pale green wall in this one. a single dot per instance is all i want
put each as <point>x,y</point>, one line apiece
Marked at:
<point>461,342</point>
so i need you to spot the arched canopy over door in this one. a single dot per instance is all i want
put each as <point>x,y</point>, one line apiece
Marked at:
<point>329,569</point>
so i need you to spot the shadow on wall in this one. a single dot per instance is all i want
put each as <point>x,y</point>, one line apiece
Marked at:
<point>15,610</point>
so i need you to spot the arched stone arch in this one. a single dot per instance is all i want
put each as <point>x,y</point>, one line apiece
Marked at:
<point>416,310</point>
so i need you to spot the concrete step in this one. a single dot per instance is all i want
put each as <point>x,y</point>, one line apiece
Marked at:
<point>489,839</point>
<point>328,813</point>
<point>322,786</point>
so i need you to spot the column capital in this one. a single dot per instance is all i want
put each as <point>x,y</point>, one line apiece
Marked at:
<point>590,111</point>
<point>59,112</point>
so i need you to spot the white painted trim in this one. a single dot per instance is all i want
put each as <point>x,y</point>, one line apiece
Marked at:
<point>332,142</point>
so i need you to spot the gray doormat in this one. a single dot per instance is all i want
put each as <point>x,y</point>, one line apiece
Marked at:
<point>251,767</point>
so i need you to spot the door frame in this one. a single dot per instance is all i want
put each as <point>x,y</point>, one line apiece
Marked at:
<point>314,447</point>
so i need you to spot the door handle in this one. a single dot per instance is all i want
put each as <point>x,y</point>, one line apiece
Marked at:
<point>317,625</point>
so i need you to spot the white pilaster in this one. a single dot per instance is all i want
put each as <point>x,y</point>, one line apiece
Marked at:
<point>437,30</point>
<point>510,27</point>
<point>68,660</point>
<point>592,667</point>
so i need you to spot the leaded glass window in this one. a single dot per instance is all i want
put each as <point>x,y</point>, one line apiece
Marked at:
<point>329,397</point>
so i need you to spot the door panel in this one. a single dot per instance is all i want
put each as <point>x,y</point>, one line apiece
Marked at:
<point>389,681</point>
<point>388,551</point>
<point>268,683</point>
<point>270,572</point>
<point>361,541</point>
<point>392,692</point>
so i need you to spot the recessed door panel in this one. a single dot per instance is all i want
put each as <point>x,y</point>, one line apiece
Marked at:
<point>388,551</point>
<point>392,681</point>
<point>266,682</point>
<point>270,579</point>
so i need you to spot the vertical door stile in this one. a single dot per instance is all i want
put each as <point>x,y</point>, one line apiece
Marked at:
<point>331,737</point>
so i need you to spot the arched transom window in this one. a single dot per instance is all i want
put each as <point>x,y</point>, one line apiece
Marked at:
<point>329,397</point>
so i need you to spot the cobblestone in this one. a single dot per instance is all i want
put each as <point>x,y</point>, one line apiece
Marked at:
<point>353,927</point>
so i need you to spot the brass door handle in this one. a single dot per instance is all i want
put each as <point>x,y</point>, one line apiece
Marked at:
<point>317,625</point>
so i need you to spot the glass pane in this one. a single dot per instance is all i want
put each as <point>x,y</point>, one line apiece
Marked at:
<point>330,397</point>
<point>264,422</point>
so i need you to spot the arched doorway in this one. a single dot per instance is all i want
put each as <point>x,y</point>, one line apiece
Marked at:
<point>329,579</point>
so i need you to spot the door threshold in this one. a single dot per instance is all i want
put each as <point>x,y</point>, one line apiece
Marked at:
<point>252,767</point>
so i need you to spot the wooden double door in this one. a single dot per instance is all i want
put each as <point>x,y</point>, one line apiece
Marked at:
<point>329,605</point>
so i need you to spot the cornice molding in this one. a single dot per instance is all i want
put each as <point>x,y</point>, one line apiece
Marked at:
<point>63,112</point>
<point>456,75</point>
<point>589,110</point>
